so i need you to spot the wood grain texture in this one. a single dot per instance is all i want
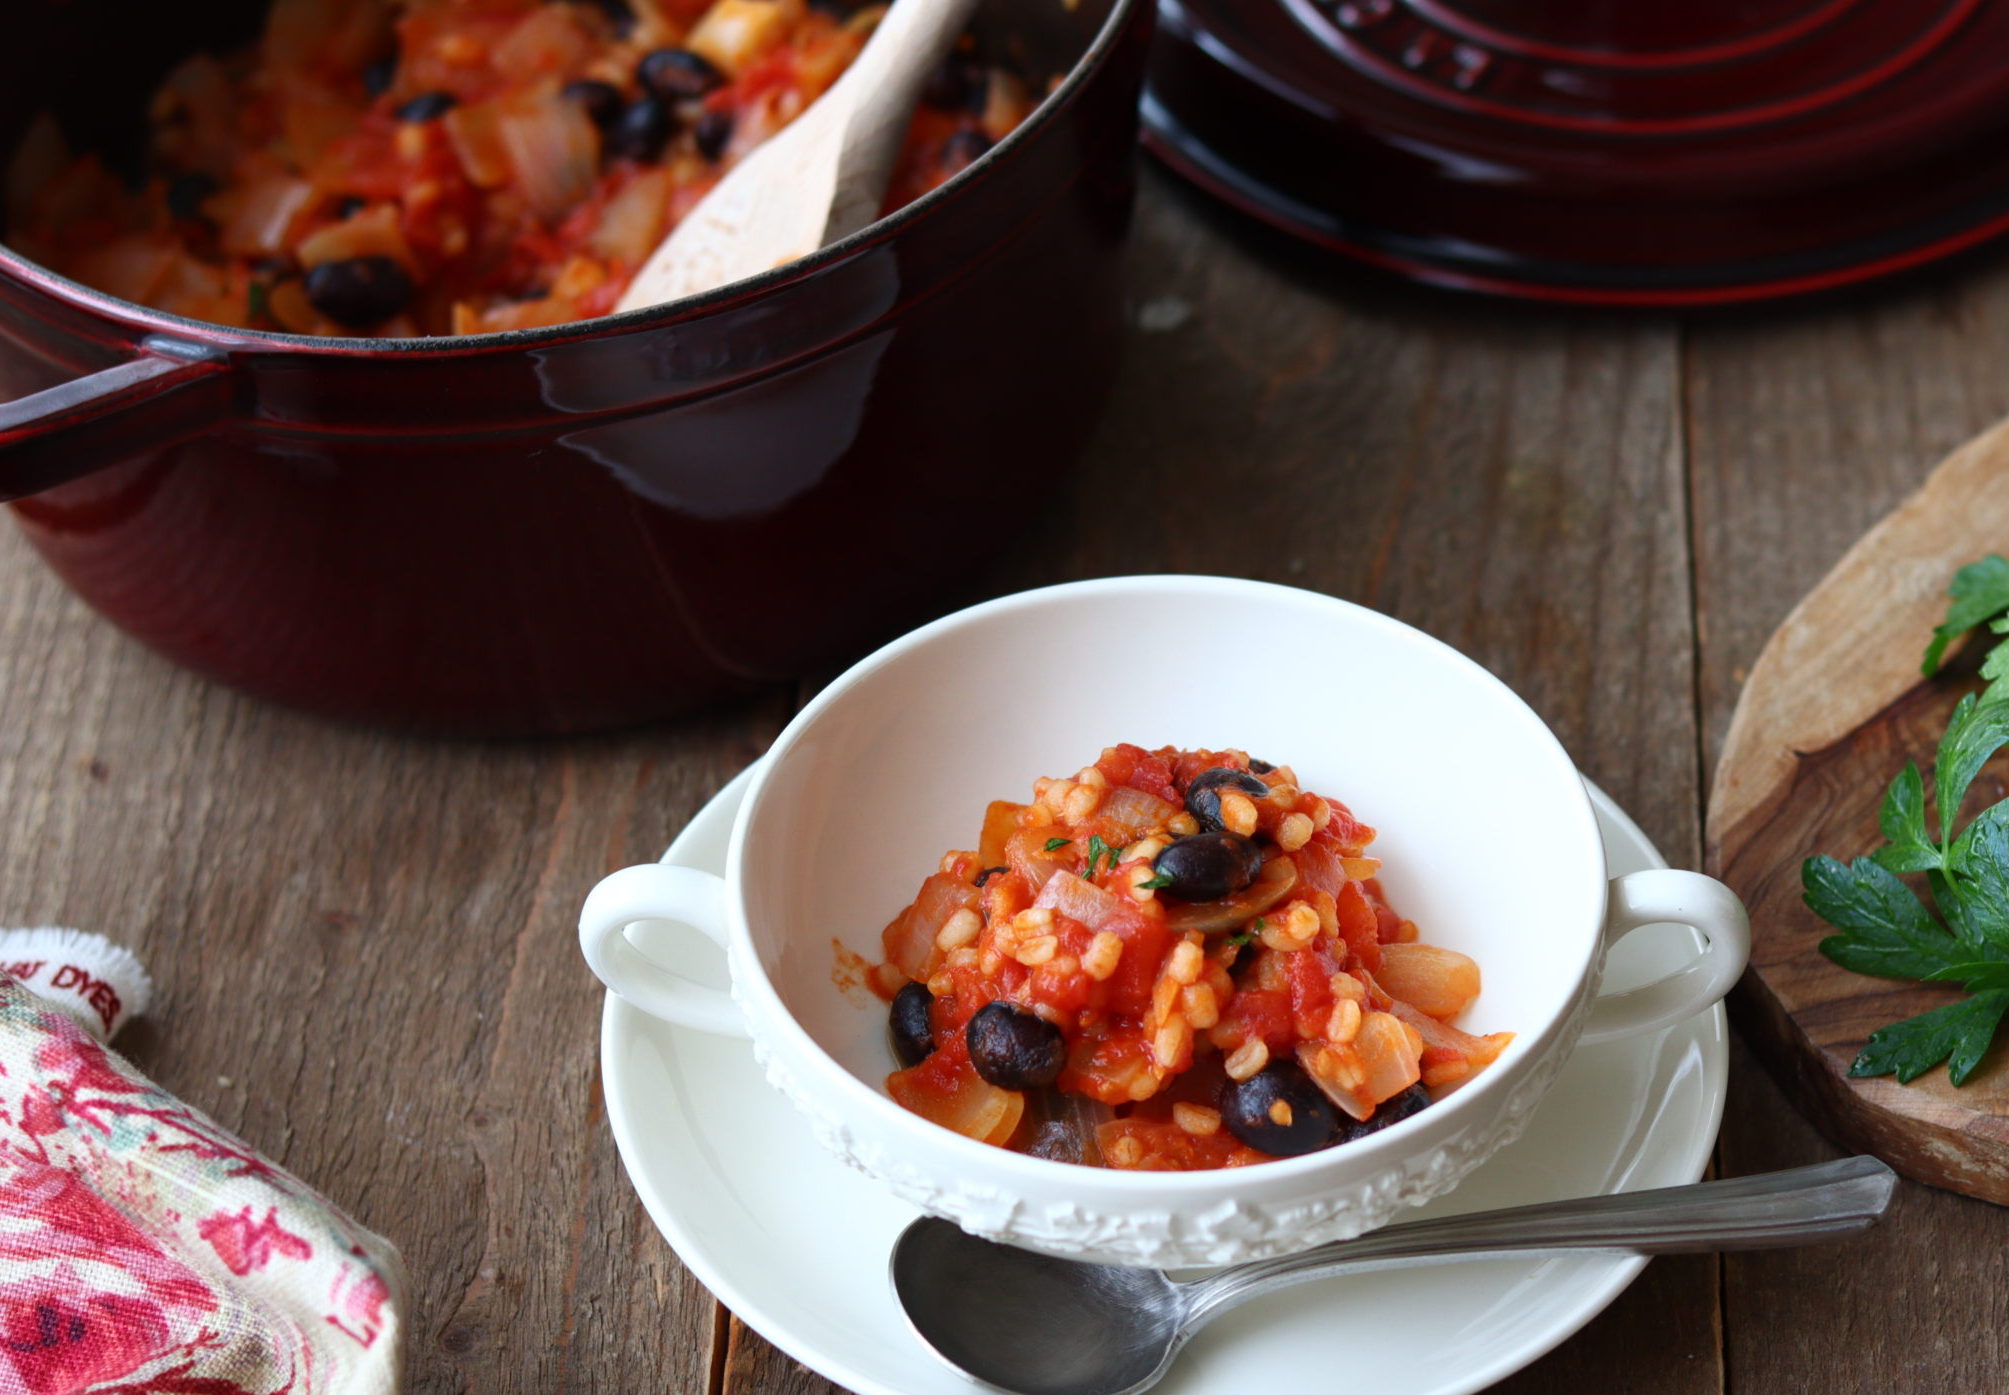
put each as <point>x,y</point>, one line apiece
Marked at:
<point>1851,647</point>
<point>1916,1306</point>
<point>367,964</point>
<point>1834,708</point>
<point>1805,426</point>
<point>365,942</point>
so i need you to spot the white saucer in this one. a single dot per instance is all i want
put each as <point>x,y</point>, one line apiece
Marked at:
<point>796,1244</point>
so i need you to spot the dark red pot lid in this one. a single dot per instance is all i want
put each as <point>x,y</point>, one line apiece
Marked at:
<point>1673,152</point>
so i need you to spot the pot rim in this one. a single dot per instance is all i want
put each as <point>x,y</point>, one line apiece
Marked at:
<point>147,321</point>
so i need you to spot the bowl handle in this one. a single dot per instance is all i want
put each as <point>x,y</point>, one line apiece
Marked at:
<point>1686,898</point>
<point>171,392</point>
<point>656,891</point>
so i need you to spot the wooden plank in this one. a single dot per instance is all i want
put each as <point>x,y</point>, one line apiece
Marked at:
<point>367,965</point>
<point>1805,426</point>
<point>1808,424</point>
<point>1916,1306</point>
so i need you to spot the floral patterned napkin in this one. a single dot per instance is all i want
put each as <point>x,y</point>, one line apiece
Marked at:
<point>144,1249</point>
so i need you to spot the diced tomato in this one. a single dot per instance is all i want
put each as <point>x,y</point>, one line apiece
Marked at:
<point>1318,866</point>
<point>1309,972</point>
<point>1345,831</point>
<point>1359,926</point>
<point>1260,1012</point>
<point>1139,769</point>
<point>1145,942</point>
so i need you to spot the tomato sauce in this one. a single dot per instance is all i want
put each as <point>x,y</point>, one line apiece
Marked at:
<point>428,167</point>
<point>1168,961</point>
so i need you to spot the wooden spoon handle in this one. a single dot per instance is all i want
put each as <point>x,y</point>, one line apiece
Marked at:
<point>881,88</point>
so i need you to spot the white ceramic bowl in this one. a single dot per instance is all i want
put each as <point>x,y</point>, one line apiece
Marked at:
<point>1487,838</point>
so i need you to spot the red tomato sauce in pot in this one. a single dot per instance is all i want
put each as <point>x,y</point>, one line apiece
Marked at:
<point>1171,960</point>
<point>429,167</point>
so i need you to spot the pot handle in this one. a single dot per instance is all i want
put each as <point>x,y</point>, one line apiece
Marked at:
<point>171,392</point>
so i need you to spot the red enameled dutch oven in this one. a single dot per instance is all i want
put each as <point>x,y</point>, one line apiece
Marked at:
<point>582,526</point>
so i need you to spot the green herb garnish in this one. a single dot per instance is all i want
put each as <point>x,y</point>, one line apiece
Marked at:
<point>1097,851</point>
<point>1157,883</point>
<point>1053,843</point>
<point>1243,937</point>
<point>1962,935</point>
<point>256,304</point>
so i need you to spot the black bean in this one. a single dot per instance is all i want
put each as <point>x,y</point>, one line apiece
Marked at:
<point>600,100</point>
<point>714,129</point>
<point>912,1028</point>
<point>186,194</point>
<point>619,13</point>
<point>1279,1111</point>
<point>1261,767</point>
<point>1015,1049</point>
<point>427,106</point>
<point>1203,795</point>
<point>958,83</point>
<point>1209,866</point>
<point>677,74</point>
<point>349,205</point>
<point>1057,1142</point>
<point>378,76</point>
<point>964,148</point>
<point>990,872</point>
<point>640,131</point>
<point>1392,1110</point>
<point>360,292</point>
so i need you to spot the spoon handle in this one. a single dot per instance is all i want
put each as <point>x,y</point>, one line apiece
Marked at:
<point>1770,1210</point>
<point>883,87</point>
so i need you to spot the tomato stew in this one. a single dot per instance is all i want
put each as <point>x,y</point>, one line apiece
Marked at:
<point>1173,960</point>
<point>428,167</point>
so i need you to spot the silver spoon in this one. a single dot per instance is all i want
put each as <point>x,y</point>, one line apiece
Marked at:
<point>1036,1325</point>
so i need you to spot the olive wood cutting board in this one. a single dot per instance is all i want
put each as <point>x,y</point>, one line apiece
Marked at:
<point>1834,707</point>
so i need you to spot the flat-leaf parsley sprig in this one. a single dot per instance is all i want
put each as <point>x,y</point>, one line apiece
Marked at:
<point>1962,935</point>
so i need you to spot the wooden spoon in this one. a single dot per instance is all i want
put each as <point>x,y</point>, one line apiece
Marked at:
<point>818,179</point>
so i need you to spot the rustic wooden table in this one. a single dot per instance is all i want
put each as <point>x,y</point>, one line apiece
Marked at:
<point>365,942</point>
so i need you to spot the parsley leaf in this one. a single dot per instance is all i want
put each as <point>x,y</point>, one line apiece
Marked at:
<point>1911,848</point>
<point>1242,937</point>
<point>1053,844</point>
<point>1097,849</point>
<point>1157,883</point>
<point>1958,1034</point>
<point>1889,931</point>
<point>1996,664</point>
<point>1981,975</point>
<point>1977,731</point>
<point>1973,891</point>
<point>1886,931</point>
<point>1980,591</point>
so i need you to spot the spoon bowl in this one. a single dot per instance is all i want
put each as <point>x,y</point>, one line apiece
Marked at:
<point>1102,1327</point>
<point>1036,1324</point>
<point>820,178</point>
